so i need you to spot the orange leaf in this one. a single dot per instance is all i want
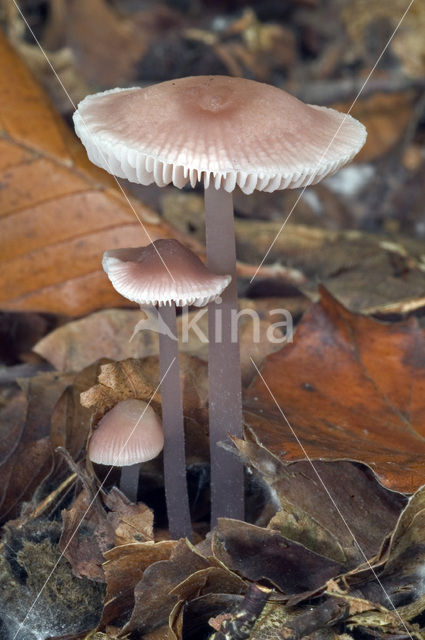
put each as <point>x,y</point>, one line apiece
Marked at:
<point>351,388</point>
<point>58,213</point>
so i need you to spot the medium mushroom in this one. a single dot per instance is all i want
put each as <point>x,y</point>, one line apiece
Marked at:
<point>166,274</point>
<point>224,132</point>
<point>126,436</point>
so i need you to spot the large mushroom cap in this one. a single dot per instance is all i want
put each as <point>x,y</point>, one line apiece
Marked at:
<point>216,129</point>
<point>161,273</point>
<point>128,434</point>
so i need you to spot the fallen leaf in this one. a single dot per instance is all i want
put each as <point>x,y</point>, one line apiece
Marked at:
<point>124,567</point>
<point>351,388</point>
<point>261,554</point>
<point>55,207</point>
<point>86,536</point>
<point>153,598</point>
<point>209,580</point>
<point>130,522</point>
<point>133,378</point>
<point>333,518</point>
<point>27,453</point>
<point>70,422</point>
<point>399,565</point>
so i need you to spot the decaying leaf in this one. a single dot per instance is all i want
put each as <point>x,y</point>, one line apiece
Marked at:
<point>140,379</point>
<point>326,506</point>
<point>70,421</point>
<point>348,387</point>
<point>153,594</point>
<point>86,536</point>
<point>124,567</point>
<point>400,562</point>
<point>47,414</point>
<point>58,213</point>
<point>27,456</point>
<point>261,554</point>
<point>130,522</point>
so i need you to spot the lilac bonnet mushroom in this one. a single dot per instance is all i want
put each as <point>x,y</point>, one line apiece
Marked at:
<point>127,435</point>
<point>224,132</point>
<point>166,274</point>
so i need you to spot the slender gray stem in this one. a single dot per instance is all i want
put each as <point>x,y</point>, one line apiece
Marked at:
<point>172,419</point>
<point>224,367</point>
<point>129,481</point>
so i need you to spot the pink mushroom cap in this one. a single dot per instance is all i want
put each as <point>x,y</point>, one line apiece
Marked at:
<point>216,129</point>
<point>128,434</point>
<point>161,273</point>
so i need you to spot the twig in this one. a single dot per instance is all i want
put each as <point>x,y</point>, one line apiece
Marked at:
<point>343,90</point>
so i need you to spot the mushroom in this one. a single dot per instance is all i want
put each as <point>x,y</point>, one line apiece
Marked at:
<point>126,436</point>
<point>224,132</point>
<point>166,274</point>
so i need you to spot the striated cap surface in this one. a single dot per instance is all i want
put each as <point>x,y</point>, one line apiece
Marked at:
<point>218,130</point>
<point>161,273</point>
<point>129,433</point>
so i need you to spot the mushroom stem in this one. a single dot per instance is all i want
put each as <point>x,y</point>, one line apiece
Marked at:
<point>224,366</point>
<point>129,481</point>
<point>176,494</point>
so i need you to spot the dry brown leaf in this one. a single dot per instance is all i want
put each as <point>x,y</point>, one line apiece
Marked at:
<point>130,522</point>
<point>335,522</point>
<point>86,536</point>
<point>140,379</point>
<point>58,213</point>
<point>153,598</point>
<point>47,414</point>
<point>351,388</point>
<point>70,421</point>
<point>124,568</point>
<point>27,452</point>
<point>262,554</point>
<point>209,580</point>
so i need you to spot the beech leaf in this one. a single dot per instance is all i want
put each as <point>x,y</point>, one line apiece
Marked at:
<point>58,213</point>
<point>351,388</point>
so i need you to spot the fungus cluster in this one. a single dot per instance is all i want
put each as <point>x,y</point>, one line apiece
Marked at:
<point>226,133</point>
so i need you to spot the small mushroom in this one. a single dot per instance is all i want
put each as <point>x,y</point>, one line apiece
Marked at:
<point>224,132</point>
<point>166,274</point>
<point>126,436</point>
